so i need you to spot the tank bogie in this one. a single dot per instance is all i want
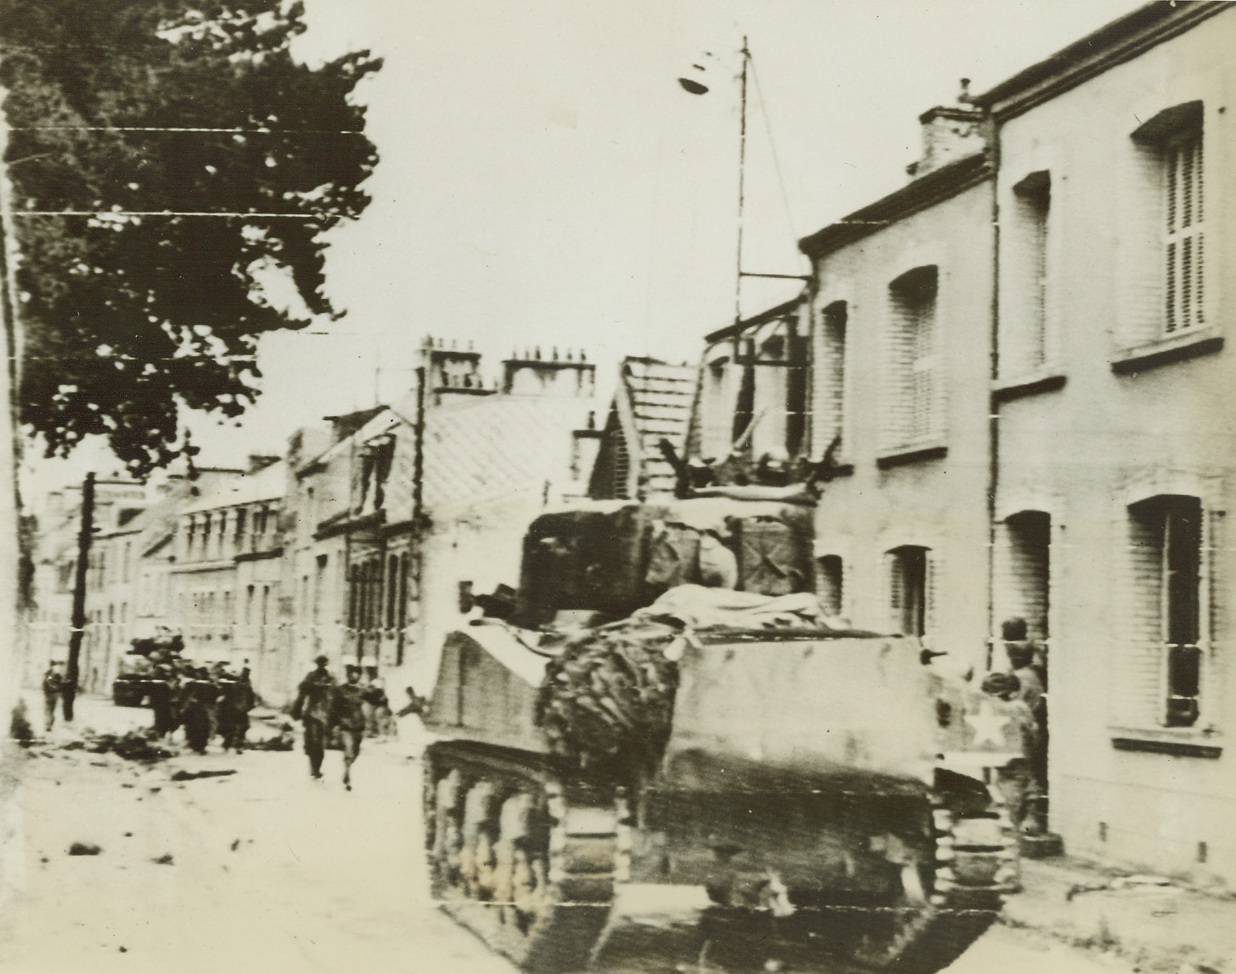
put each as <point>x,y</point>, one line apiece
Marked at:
<point>526,862</point>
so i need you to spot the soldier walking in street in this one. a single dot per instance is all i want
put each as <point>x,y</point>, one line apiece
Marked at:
<point>53,687</point>
<point>198,700</point>
<point>235,701</point>
<point>312,709</point>
<point>348,717</point>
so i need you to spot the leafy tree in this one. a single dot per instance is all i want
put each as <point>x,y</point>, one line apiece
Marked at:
<point>132,116</point>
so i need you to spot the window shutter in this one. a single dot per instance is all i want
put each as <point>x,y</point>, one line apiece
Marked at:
<point>1214,629</point>
<point>931,583</point>
<point>1183,208</point>
<point>895,395</point>
<point>895,590</point>
<point>829,386</point>
<point>1137,659</point>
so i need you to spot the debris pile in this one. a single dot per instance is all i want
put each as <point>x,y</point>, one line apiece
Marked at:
<point>138,746</point>
<point>194,775</point>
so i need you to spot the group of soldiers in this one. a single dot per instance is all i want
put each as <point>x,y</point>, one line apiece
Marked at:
<point>204,701</point>
<point>339,714</point>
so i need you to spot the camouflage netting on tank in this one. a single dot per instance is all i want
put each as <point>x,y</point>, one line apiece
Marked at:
<point>607,702</point>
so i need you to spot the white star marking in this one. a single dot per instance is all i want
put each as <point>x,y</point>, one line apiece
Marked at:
<point>988,725</point>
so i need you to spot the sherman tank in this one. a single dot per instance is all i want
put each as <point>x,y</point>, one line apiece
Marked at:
<point>663,701</point>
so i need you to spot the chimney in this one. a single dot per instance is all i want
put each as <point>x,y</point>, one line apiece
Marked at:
<point>452,371</point>
<point>564,374</point>
<point>950,132</point>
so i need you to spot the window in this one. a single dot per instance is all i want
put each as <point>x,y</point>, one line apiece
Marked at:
<point>392,590</point>
<point>319,586</point>
<point>914,390</point>
<point>1024,324</point>
<point>828,583</point>
<point>1166,613</point>
<point>744,405</point>
<point>716,410</point>
<point>1022,570</point>
<point>768,434</point>
<point>830,375</point>
<point>354,594</point>
<point>910,590</point>
<point>1163,293</point>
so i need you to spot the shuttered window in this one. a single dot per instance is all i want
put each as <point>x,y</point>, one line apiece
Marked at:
<point>1183,237</point>
<point>1025,282</point>
<point>829,583</point>
<point>829,393</point>
<point>1165,613</point>
<point>1022,570</point>
<point>1162,243</point>
<point>911,572</point>
<point>913,386</point>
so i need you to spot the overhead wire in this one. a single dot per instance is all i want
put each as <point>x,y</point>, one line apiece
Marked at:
<point>776,158</point>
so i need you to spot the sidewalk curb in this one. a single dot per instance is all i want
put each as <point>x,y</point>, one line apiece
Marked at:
<point>1152,927</point>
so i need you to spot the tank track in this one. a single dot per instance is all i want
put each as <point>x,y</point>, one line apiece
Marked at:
<point>946,910</point>
<point>524,860</point>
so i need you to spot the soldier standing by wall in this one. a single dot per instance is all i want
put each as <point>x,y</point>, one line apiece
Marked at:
<point>53,686</point>
<point>312,709</point>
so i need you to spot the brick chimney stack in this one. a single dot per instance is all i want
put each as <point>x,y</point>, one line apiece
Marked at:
<point>562,373</point>
<point>950,132</point>
<point>451,370</point>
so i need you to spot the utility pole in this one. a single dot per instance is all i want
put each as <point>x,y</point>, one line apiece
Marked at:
<point>11,636</point>
<point>742,175</point>
<point>79,597</point>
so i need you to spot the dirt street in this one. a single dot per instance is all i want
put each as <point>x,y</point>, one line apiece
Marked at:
<point>267,870</point>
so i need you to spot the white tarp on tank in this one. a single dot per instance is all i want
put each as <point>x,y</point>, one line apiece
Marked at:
<point>698,607</point>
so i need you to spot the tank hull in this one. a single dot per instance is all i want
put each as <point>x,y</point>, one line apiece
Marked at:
<point>801,774</point>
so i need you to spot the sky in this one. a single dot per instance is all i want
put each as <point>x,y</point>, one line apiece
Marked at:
<point>545,182</point>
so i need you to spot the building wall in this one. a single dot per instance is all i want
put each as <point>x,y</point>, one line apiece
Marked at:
<point>481,544</point>
<point>1122,428</point>
<point>927,491</point>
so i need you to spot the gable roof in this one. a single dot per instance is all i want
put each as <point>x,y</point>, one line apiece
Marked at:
<point>493,447</point>
<point>653,402</point>
<point>1114,43</point>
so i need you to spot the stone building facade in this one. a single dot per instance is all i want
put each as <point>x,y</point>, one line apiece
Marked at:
<point>225,576</point>
<point>1114,462</point>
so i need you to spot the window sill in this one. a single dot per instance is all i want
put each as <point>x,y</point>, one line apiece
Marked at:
<point>1030,384</point>
<point>911,454</point>
<point>1164,351</point>
<point>1182,743</point>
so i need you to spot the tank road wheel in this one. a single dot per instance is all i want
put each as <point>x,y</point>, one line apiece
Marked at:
<point>527,865</point>
<point>943,910</point>
<point>443,831</point>
<point>563,855</point>
<point>476,850</point>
